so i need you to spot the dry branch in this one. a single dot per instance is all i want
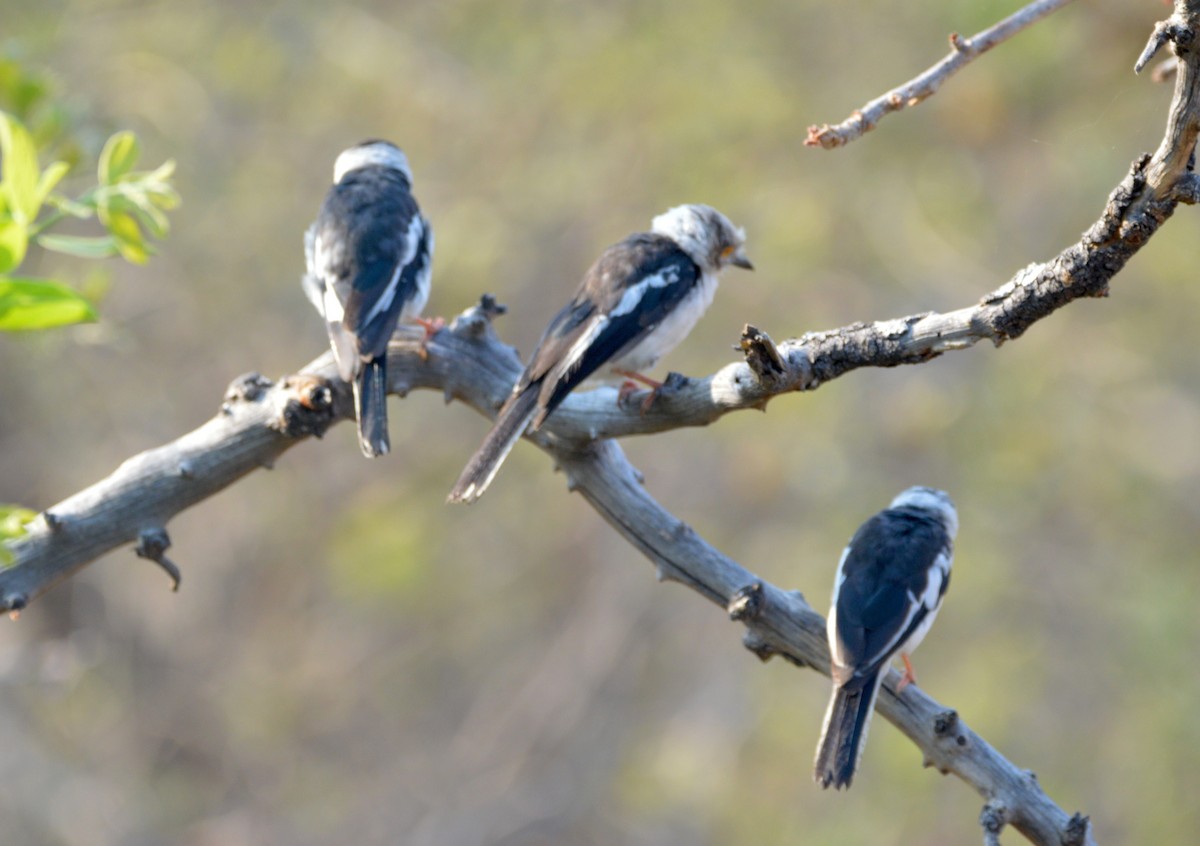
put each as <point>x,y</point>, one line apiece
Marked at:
<point>260,420</point>
<point>962,51</point>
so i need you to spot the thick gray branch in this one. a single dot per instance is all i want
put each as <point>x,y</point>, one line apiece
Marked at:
<point>963,50</point>
<point>259,420</point>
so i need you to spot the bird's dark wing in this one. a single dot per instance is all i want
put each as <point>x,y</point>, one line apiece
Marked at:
<point>886,573</point>
<point>628,291</point>
<point>371,244</point>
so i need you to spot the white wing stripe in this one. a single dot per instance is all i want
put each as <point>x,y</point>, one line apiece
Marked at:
<point>411,239</point>
<point>634,294</point>
<point>929,600</point>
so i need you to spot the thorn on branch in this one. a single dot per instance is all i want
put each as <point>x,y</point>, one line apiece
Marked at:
<point>993,818</point>
<point>309,407</point>
<point>1169,30</point>
<point>476,320</point>
<point>746,603</point>
<point>54,523</point>
<point>153,545</point>
<point>1076,832</point>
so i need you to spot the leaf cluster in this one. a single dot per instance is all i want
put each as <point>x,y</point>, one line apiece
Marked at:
<point>130,204</point>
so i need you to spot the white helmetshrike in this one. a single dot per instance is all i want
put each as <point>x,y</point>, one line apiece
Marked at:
<point>889,587</point>
<point>636,303</point>
<point>369,259</point>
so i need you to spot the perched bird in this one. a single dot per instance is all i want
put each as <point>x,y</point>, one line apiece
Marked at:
<point>640,298</point>
<point>369,256</point>
<point>889,587</point>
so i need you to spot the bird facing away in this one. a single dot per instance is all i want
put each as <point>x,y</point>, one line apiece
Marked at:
<point>889,587</point>
<point>369,255</point>
<point>636,303</point>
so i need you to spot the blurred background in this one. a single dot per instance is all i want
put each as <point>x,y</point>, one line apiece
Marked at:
<point>351,661</point>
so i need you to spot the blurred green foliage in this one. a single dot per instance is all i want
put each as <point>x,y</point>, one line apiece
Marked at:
<point>125,201</point>
<point>33,120</point>
<point>351,661</point>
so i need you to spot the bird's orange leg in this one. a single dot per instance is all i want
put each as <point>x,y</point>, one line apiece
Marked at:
<point>909,676</point>
<point>431,325</point>
<point>630,385</point>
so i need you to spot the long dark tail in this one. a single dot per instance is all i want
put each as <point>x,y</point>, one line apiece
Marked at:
<point>845,733</point>
<point>370,404</point>
<point>485,463</point>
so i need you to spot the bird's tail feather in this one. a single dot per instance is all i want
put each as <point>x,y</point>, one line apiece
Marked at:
<point>370,404</point>
<point>845,733</point>
<point>485,463</point>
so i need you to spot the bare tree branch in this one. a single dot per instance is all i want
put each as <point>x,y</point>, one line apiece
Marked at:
<point>963,50</point>
<point>1131,216</point>
<point>259,420</point>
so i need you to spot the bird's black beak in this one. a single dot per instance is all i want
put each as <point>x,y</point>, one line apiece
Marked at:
<point>739,260</point>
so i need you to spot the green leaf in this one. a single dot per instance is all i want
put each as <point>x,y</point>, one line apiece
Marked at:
<point>163,173</point>
<point>118,157</point>
<point>51,176</point>
<point>154,221</point>
<point>81,247</point>
<point>20,170</point>
<point>14,238</point>
<point>128,235</point>
<point>40,304</point>
<point>80,209</point>
<point>12,525</point>
<point>115,210</point>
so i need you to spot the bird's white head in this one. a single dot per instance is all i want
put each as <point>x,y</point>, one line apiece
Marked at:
<point>930,499</point>
<point>704,234</point>
<point>368,153</point>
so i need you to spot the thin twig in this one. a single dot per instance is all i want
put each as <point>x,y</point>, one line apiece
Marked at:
<point>963,50</point>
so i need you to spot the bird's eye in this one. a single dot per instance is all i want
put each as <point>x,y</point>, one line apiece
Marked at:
<point>727,252</point>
